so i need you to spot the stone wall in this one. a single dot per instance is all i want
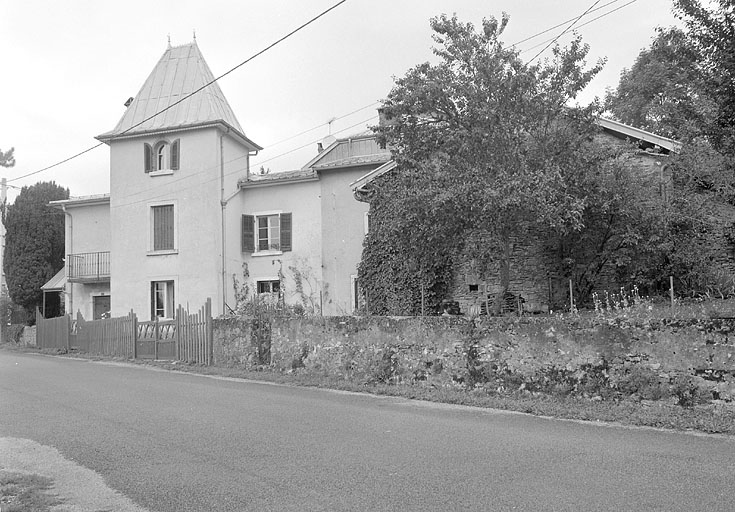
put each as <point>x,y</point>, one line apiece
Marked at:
<point>621,356</point>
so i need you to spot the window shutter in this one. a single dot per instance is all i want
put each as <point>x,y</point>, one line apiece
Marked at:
<point>248,233</point>
<point>175,155</point>
<point>285,232</point>
<point>163,228</point>
<point>147,157</point>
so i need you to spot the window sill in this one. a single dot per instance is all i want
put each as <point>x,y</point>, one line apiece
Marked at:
<point>162,253</point>
<point>164,172</point>
<point>266,253</point>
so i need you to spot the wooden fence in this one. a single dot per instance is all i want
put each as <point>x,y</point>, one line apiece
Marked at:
<point>188,337</point>
<point>54,332</point>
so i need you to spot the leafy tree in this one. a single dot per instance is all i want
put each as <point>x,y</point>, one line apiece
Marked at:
<point>660,92</point>
<point>7,159</point>
<point>711,32</point>
<point>34,242</point>
<point>485,143</point>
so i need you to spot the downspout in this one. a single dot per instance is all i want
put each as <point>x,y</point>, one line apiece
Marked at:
<point>223,205</point>
<point>67,260</point>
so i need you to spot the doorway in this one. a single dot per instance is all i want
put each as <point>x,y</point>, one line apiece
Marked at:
<point>100,307</point>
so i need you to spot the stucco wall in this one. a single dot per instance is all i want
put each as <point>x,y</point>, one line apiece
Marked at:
<point>302,201</point>
<point>343,231</point>
<point>195,190</point>
<point>87,230</point>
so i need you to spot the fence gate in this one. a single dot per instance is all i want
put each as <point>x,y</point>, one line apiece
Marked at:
<point>156,339</point>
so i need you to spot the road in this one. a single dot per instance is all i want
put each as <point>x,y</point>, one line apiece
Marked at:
<point>180,442</point>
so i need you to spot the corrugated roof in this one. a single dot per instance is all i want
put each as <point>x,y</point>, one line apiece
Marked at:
<point>361,149</point>
<point>55,283</point>
<point>256,180</point>
<point>180,71</point>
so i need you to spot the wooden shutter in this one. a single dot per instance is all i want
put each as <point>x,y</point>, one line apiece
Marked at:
<point>147,157</point>
<point>163,227</point>
<point>248,233</point>
<point>286,232</point>
<point>175,155</point>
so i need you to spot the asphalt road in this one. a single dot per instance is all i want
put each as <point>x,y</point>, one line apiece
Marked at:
<point>179,442</point>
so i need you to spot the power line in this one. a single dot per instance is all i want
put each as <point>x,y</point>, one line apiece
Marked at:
<point>302,26</point>
<point>565,31</point>
<point>168,184</point>
<point>557,26</point>
<point>583,24</point>
<point>207,169</point>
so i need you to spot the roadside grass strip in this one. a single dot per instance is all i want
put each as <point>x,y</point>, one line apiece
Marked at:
<point>38,478</point>
<point>21,492</point>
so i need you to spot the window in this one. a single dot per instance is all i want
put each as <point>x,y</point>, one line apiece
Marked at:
<point>268,232</point>
<point>161,157</point>
<point>272,286</point>
<point>163,227</point>
<point>356,293</point>
<point>162,299</point>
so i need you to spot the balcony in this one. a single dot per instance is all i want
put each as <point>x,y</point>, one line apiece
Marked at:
<point>88,267</point>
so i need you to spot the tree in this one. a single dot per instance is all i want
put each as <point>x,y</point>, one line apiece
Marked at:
<point>660,92</point>
<point>7,159</point>
<point>711,32</point>
<point>485,143</point>
<point>34,242</point>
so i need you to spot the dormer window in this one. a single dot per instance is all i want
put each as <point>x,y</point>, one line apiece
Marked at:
<point>163,156</point>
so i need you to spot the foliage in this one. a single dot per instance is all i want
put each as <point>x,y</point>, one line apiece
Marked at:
<point>34,242</point>
<point>23,492</point>
<point>7,159</point>
<point>659,92</point>
<point>483,142</point>
<point>710,32</point>
<point>683,87</point>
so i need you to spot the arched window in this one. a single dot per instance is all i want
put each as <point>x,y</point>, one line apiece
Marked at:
<point>163,156</point>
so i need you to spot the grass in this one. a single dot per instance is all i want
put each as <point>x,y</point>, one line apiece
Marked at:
<point>25,493</point>
<point>709,418</point>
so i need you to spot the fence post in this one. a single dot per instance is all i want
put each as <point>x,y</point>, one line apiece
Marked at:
<point>68,332</point>
<point>177,332</point>
<point>134,321</point>
<point>671,289</point>
<point>155,339</point>
<point>210,332</point>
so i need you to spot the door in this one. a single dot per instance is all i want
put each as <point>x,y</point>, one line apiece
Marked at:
<point>100,307</point>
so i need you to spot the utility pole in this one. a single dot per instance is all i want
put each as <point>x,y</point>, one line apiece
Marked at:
<point>3,198</point>
<point>3,283</point>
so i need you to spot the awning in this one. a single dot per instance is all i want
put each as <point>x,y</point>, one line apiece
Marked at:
<point>56,283</point>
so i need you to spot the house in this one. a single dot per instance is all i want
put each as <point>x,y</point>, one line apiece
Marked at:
<point>186,218</point>
<point>532,278</point>
<point>321,226</point>
<point>85,280</point>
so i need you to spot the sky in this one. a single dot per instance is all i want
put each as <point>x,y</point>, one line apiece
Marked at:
<point>69,66</point>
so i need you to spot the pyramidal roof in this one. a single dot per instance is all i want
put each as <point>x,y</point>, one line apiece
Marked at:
<point>180,71</point>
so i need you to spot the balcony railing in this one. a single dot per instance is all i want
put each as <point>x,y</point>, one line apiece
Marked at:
<point>89,267</point>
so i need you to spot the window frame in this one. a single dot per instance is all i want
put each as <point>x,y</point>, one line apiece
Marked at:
<point>169,298</point>
<point>250,233</point>
<point>270,281</point>
<point>152,208</point>
<point>162,158</point>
